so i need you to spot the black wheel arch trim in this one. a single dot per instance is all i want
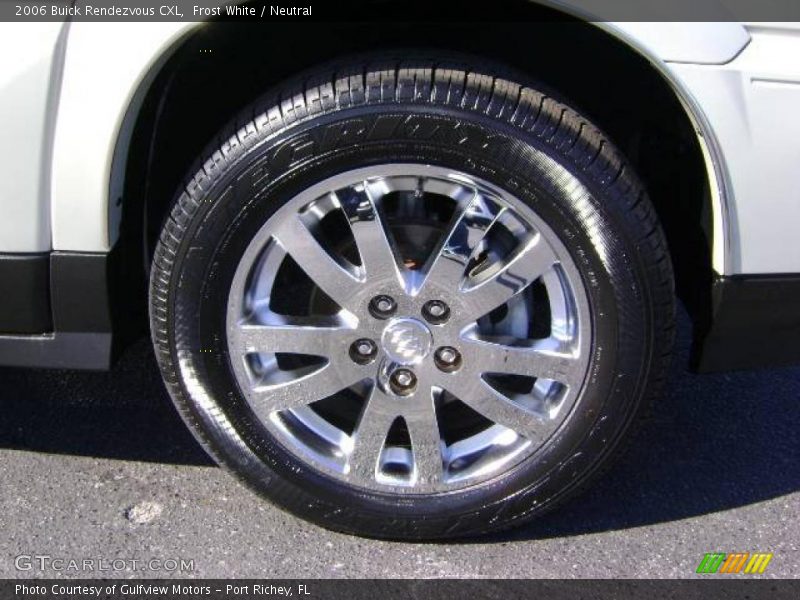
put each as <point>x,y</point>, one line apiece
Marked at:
<point>79,310</point>
<point>754,321</point>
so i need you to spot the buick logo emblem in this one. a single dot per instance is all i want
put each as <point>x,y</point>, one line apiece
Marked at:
<point>406,341</point>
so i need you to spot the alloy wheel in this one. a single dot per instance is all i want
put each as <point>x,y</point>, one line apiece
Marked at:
<point>409,328</point>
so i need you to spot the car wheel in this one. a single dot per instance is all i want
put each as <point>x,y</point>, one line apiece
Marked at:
<point>413,301</point>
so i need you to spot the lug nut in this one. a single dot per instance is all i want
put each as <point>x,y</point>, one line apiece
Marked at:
<point>403,382</point>
<point>447,358</point>
<point>363,351</point>
<point>436,312</point>
<point>382,307</point>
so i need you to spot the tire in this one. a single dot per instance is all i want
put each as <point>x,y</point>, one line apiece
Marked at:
<point>526,155</point>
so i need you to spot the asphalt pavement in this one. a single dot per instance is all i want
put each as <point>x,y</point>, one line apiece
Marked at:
<point>98,467</point>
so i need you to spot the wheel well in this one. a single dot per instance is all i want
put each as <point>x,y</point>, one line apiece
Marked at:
<point>223,67</point>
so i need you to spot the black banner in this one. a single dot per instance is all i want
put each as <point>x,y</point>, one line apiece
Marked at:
<point>412,10</point>
<point>364,589</point>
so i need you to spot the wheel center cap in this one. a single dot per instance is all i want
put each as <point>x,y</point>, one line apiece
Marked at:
<point>406,341</point>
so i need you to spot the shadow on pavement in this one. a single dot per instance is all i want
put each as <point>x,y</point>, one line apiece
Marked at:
<point>713,442</point>
<point>124,414</point>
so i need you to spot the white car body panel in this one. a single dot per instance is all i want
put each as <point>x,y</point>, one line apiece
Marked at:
<point>752,105</point>
<point>120,55</point>
<point>26,120</point>
<point>737,82</point>
<point>705,43</point>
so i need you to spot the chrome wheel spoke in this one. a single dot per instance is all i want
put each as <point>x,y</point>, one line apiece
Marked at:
<point>292,338</point>
<point>426,440</point>
<point>369,437</point>
<point>501,282</point>
<point>473,217</point>
<point>360,204</point>
<point>487,401</point>
<point>545,359</point>
<point>292,392</point>
<point>332,278</point>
